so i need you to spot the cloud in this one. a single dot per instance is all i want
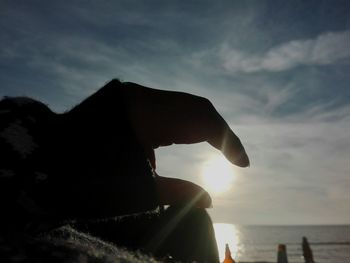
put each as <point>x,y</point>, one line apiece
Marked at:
<point>298,162</point>
<point>327,48</point>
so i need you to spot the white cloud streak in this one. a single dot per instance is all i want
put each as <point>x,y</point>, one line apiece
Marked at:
<point>325,49</point>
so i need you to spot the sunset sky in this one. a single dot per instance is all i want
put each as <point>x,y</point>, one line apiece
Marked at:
<point>278,71</point>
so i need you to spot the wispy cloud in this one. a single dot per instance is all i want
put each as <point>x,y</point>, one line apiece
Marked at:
<point>325,49</point>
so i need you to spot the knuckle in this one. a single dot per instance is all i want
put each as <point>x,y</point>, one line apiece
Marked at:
<point>205,104</point>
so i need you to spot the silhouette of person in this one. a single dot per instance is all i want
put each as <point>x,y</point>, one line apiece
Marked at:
<point>307,252</point>
<point>97,161</point>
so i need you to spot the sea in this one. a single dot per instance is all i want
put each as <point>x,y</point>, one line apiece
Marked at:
<point>330,244</point>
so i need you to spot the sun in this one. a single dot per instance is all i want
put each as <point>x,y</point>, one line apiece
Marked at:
<point>218,175</point>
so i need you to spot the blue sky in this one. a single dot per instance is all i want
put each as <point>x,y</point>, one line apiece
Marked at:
<point>278,71</point>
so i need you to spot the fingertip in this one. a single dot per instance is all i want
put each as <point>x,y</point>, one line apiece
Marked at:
<point>210,202</point>
<point>206,201</point>
<point>242,160</point>
<point>234,150</point>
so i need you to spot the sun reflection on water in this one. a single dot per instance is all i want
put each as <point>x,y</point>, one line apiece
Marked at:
<point>226,234</point>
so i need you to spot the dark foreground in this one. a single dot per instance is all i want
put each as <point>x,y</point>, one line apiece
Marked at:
<point>185,234</point>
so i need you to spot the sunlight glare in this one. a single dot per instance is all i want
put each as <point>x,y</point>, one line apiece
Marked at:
<point>218,175</point>
<point>226,234</point>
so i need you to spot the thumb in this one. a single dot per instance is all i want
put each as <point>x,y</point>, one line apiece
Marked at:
<point>172,191</point>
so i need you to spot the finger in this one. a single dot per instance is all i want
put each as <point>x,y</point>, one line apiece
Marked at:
<point>217,132</point>
<point>230,145</point>
<point>173,191</point>
<point>162,118</point>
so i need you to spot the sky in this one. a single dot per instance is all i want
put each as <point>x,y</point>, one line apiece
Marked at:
<point>277,71</point>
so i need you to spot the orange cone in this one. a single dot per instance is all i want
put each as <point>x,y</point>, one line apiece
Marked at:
<point>228,258</point>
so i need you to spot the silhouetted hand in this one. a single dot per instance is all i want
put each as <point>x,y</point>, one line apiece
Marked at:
<point>161,118</point>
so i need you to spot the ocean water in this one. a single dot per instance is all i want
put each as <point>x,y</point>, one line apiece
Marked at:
<point>330,244</point>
